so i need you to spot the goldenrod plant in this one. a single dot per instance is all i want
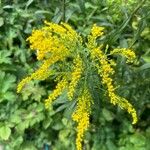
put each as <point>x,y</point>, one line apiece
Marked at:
<point>71,60</point>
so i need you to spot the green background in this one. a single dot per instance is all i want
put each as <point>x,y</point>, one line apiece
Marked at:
<point>24,122</point>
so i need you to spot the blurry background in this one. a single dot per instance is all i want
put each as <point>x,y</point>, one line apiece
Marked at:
<point>24,122</point>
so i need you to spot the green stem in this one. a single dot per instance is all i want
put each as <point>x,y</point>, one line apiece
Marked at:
<point>63,10</point>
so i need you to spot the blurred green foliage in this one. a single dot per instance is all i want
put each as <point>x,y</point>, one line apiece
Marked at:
<point>24,122</point>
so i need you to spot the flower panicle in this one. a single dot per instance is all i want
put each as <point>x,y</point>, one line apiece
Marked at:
<point>53,39</point>
<point>54,44</point>
<point>50,45</point>
<point>75,76</point>
<point>81,116</point>
<point>105,70</point>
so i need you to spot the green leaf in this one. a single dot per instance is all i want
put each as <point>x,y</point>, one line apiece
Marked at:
<point>9,96</point>
<point>63,134</point>
<point>8,7</point>
<point>22,126</point>
<point>6,81</point>
<point>69,110</point>
<point>4,57</point>
<point>57,16</point>
<point>146,59</point>
<point>69,13</point>
<point>15,119</point>
<point>40,107</point>
<point>138,139</point>
<point>1,21</point>
<point>145,66</point>
<point>5,132</point>
<point>29,2</point>
<point>110,145</point>
<point>28,146</point>
<point>107,114</point>
<point>81,5</point>
<point>42,12</point>
<point>39,117</point>
<point>62,98</point>
<point>46,123</point>
<point>17,141</point>
<point>58,126</point>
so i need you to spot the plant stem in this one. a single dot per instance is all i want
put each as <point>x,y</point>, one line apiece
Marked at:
<point>63,10</point>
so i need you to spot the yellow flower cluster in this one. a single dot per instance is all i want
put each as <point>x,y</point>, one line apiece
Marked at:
<point>124,104</point>
<point>22,83</point>
<point>71,34</point>
<point>59,89</point>
<point>47,42</point>
<point>42,73</point>
<point>62,54</point>
<point>96,31</point>
<point>129,54</point>
<point>53,43</point>
<point>75,76</point>
<point>106,71</point>
<point>81,116</point>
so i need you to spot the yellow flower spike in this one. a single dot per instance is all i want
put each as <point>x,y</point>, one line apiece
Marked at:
<point>129,54</point>
<point>72,35</point>
<point>23,83</point>
<point>55,27</point>
<point>124,104</point>
<point>59,89</point>
<point>81,116</point>
<point>97,31</point>
<point>106,71</point>
<point>75,76</point>
<point>112,62</point>
<point>71,32</point>
<point>133,113</point>
<point>42,73</point>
